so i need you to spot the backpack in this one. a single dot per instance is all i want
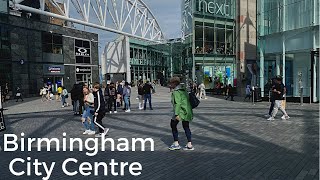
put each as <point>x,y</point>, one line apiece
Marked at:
<point>194,101</point>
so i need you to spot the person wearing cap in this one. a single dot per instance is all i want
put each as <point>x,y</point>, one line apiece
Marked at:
<point>278,91</point>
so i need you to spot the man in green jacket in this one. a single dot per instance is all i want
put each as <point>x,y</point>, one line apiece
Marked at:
<point>182,112</point>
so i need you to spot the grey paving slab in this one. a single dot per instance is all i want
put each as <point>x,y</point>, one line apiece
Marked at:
<point>232,140</point>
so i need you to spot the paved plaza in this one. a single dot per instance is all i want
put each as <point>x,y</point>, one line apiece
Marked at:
<point>232,140</point>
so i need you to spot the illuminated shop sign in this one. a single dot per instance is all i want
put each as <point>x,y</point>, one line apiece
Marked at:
<point>81,51</point>
<point>49,69</point>
<point>217,8</point>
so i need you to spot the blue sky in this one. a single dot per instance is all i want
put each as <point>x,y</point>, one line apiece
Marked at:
<point>167,13</point>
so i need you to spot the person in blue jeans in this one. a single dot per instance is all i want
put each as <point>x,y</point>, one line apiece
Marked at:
<point>87,117</point>
<point>126,95</point>
<point>147,88</point>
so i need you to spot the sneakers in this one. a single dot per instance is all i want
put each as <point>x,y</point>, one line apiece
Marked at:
<point>267,115</point>
<point>110,112</point>
<point>128,110</point>
<point>174,147</point>
<point>285,117</point>
<point>98,135</point>
<point>270,118</point>
<point>187,148</point>
<point>91,132</point>
<point>62,106</point>
<point>106,130</point>
<point>115,112</point>
<point>86,132</point>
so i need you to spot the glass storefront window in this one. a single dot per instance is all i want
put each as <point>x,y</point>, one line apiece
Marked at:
<point>51,43</point>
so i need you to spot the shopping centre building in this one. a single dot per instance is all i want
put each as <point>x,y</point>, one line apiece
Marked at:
<point>288,45</point>
<point>220,41</point>
<point>36,50</point>
<point>130,59</point>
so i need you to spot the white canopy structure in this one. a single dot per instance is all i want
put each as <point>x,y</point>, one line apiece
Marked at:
<point>131,18</point>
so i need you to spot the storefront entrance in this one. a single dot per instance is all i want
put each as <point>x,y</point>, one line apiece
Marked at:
<point>54,81</point>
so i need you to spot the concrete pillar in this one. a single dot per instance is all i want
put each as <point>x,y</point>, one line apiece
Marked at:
<point>261,71</point>
<point>127,57</point>
<point>283,42</point>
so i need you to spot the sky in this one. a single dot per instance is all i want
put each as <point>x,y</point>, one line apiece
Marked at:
<point>166,12</point>
<point>168,15</point>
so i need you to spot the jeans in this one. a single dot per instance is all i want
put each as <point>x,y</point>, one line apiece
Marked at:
<point>175,134</point>
<point>271,107</point>
<point>126,102</point>
<point>112,103</point>
<point>147,97</point>
<point>278,105</point>
<point>63,99</point>
<point>75,106</point>
<point>88,125</point>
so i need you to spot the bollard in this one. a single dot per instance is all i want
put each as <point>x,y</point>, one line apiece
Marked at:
<point>301,96</point>
<point>2,124</point>
<point>310,96</point>
<point>253,93</point>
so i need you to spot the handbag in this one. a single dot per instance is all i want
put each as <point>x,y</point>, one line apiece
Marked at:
<point>66,96</point>
<point>18,94</point>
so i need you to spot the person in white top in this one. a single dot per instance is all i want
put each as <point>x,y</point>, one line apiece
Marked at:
<point>43,93</point>
<point>202,92</point>
<point>87,117</point>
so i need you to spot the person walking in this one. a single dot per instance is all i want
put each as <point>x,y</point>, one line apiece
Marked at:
<point>107,98</point>
<point>76,92</point>
<point>278,91</point>
<point>49,92</point>
<point>140,94</point>
<point>99,110</point>
<point>18,94</point>
<point>112,98</point>
<point>202,91</point>
<point>147,88</point>
<point>270,87</point>
<point>182,111</point>
<point>230,92</point>
<point>64,96</point>
<point>248,93</point>
<point>59,91</point>
<point>126,95</point>
<point>87,117</point>
<point>43,93</point>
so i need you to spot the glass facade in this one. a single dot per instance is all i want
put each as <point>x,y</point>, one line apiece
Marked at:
<point>148,62</point>
<point>288,32</point>
<point>212,45</point>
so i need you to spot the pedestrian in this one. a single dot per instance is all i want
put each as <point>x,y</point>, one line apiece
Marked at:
<point>64,96</point>
<point>270,87</point>
<point>112,98</point>
<point>278,91</point>
<point>248,93</point>
<point>230,92</point>
<point>99,110</point>
<point>76,92</point>
<point>59,91</point>
<point>18,94</point>
<point>182,111</point>
<point>140,94</point>
<point>87,117</point>
<point>107,97</point>
<point>147,88</point>
<point>126,95</point>
<point>202,91</point>
<point>120,91</point>
<point>49,92</point>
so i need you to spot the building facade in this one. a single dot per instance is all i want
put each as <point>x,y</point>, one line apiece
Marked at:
<point>287,43</point>
<point>35,52</point>
<point>131,60</point>
<point>218,39</point>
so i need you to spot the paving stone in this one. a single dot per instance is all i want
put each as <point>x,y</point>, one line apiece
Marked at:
<point>232,140</point>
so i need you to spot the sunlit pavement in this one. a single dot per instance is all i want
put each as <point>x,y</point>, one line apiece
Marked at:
<point>232,140</point>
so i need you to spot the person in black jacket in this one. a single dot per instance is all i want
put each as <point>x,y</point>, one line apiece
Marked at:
<point>76,93</point>
<point>147,88</point>
<point>99,109</point>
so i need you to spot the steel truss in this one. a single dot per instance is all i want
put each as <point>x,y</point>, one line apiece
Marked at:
<point>127,17</point>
